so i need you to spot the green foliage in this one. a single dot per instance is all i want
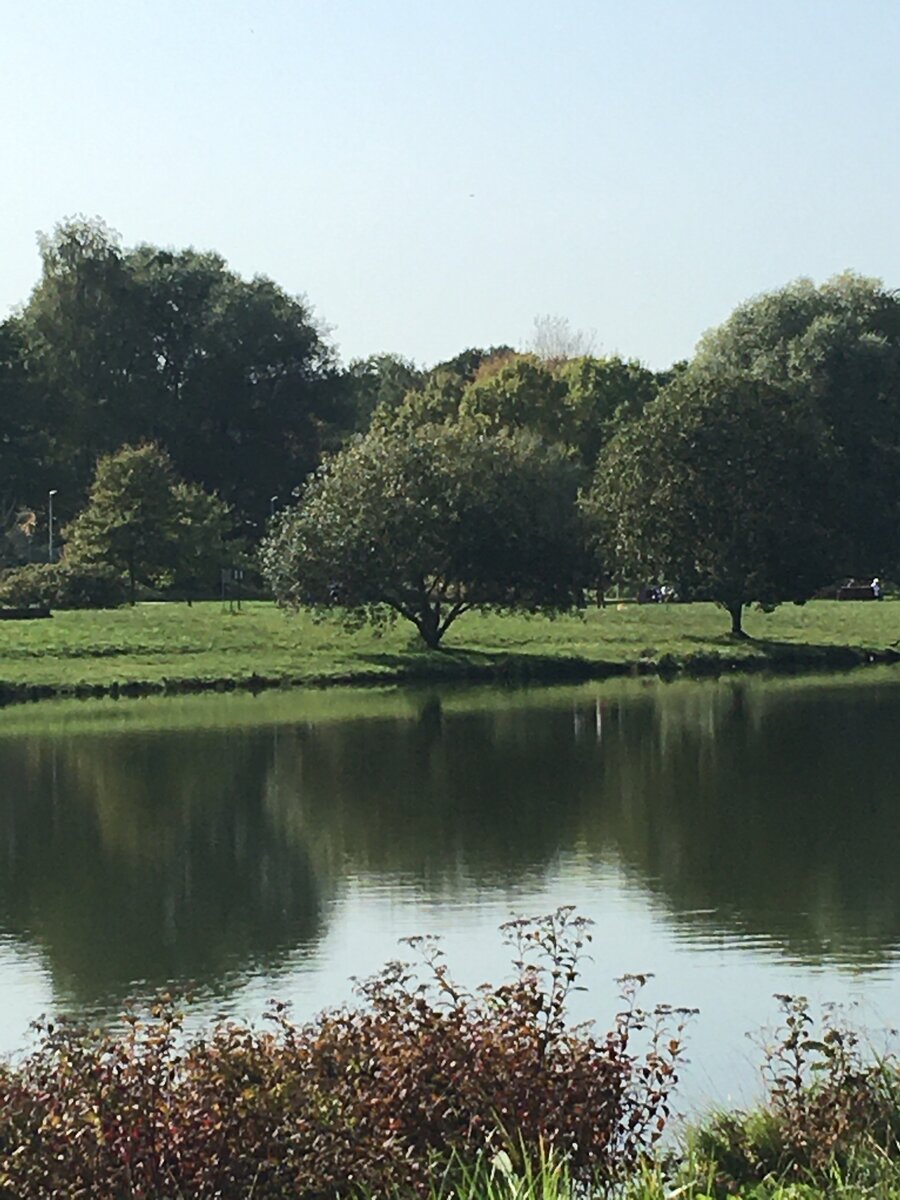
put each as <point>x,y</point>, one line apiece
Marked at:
<point>522,394</point>
<point>380,382</point>
<point>143,522</point>
<point>576,402</point>
<point>202,528</point>
<point>430,525</point>
<point>494,1176</point>
<point>23,437</point>
<point>423,1076</point>
<point>231,376</point>
<point>836,349</point>
<point>826,1110</point>
<point>602,393</point>
<point>473,361</point>
<point>722,489</point>
<point>435,402</point>
<point>130,519</point>
<point>62,585</point>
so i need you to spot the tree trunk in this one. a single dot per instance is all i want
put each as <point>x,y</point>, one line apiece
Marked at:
<point>131,583</point>
<point>428,625</point>
<point>735,611</point>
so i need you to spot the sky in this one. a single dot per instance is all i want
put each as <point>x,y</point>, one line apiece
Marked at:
<point>432,175</point>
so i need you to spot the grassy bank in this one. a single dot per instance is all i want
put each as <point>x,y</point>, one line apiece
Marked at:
<point>173,647</point>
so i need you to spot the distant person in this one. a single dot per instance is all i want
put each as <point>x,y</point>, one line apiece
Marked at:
<point>876,589</point>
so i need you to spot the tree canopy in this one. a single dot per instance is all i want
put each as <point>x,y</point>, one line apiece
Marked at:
<point>430,524</point>
<point>145,522</point>
<point>381,381</point>
<point>835,347</point>
<point>232,377</point>
<point>721,488</point>
<point>576,402</point>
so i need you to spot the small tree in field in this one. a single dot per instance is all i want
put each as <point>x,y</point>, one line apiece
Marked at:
<point>432,524</point>
<point>202,526</point>
<point>143,521</point>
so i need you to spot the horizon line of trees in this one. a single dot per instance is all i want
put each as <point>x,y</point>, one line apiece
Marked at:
<point>759,471</point>
<point>235,379</point>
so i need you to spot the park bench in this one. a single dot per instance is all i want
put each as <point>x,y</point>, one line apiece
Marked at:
<point>856,591</point>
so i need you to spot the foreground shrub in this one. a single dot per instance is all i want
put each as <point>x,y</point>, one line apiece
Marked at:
<point>828,1112</point>
<point>60,585</point>
<point>371,1099</point>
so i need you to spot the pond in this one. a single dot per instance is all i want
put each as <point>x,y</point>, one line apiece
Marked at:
<point>736,838</point>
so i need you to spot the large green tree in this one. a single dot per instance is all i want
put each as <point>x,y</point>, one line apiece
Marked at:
<point>429,525</point>
<point>232,376</point>
<point>835,347</point>
<point>142,520</point>
<point>722,488</point>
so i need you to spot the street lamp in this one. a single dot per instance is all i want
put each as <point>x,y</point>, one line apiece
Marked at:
<point>272,500</point>
<point>50,495</point>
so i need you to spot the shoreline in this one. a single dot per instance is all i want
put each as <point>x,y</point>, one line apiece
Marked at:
<point>511,669</point>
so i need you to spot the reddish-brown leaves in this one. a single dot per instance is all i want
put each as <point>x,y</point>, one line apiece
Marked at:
<point>368,1098</point>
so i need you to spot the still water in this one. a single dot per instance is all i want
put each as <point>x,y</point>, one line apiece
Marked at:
<point>736,838</point>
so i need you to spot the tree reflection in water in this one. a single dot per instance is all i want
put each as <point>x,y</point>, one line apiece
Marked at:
<point>139,860</point>
<point>746,809</point>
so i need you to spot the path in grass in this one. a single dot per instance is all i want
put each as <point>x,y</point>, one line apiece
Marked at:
<point>179,646</point>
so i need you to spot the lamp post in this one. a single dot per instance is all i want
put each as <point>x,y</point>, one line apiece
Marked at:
<point>50,496</point>
<point>272,500</point>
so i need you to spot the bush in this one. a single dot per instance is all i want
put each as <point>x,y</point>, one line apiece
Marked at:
<point>376,1099</point>
<point>826,1109</point>
<point>59,585</point>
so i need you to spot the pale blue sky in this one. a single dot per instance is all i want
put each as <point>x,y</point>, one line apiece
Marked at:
<point>433,175</point>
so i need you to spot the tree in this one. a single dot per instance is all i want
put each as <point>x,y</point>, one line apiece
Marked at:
<point>722,488</point>
<point>431,525</point>
<point>436,402</point>
<point>82,351</point>
<point>435,397</point>
<point>202,538</point>
<point>233,377</point>
<point>246,388</point>
<point>473,361</point>
<point>554,340</point>
<point>380,381</point>
<point>601,393</point>
<point>577,402</point>
<point>523,393</point>
<point>23,444</point>
<point>23,482</point>
<point>143,521</point>
<point>835,347</point>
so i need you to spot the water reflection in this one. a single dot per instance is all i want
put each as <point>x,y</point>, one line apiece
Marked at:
<point>746,810</point>
<point>139,860</point>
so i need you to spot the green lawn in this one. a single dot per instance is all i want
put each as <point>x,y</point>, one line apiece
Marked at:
<point>153,643</point>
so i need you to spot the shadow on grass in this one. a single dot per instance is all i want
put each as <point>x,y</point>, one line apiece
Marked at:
<point>459,662</point>
<point>729,641</point>
<point>769,654</point>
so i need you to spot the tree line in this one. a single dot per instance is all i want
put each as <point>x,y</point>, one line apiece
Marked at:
<point>173,408</point>
<point>759,472</point>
